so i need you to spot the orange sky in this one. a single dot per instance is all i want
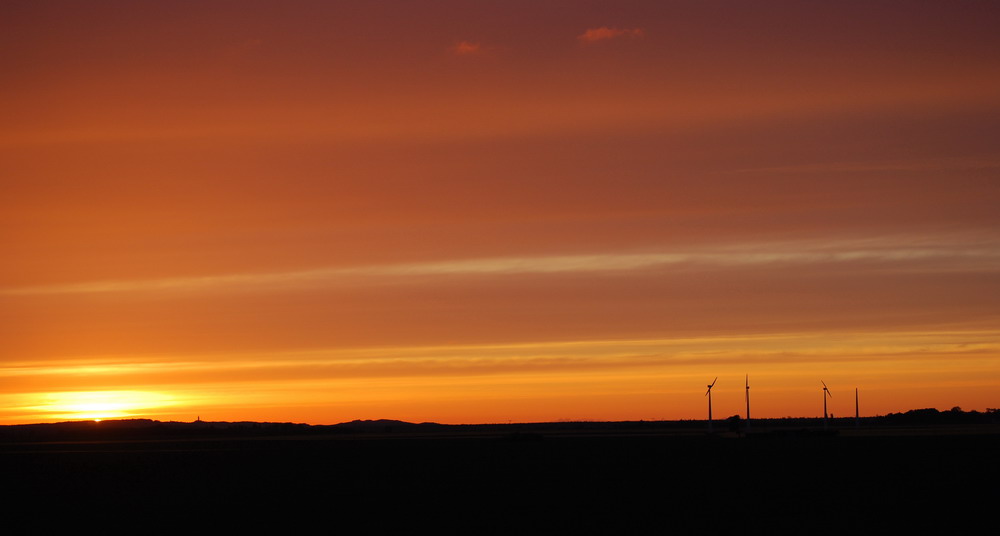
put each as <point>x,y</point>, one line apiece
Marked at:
<point>496,211</point>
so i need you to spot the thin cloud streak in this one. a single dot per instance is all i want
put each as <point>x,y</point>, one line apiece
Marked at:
<point>110,363</point>
<point>553,357</point>
<point>594,35</point>
<point>982,255</point>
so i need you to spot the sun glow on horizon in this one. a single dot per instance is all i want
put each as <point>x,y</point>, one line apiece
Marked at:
<point>607,379</point>
<point>98,405</point>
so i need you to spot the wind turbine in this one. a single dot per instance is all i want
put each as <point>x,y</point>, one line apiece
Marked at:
<point>857,414</point>
<point>826,393</point>
<point>709,395</point>
<point>748,400</point>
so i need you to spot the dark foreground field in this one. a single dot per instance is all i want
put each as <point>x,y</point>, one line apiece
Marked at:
<point>511,483</point>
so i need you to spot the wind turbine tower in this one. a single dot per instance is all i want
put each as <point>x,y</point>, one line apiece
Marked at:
<point>709,395</point>
<point>747,384</point>
<point>857,413</point>
<point>826,393</point>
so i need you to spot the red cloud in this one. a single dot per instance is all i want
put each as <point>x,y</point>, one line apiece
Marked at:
<point>466,48</point>
<point>603,33</point>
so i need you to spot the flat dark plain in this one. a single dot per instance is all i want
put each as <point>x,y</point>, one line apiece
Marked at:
<point>564,480</point>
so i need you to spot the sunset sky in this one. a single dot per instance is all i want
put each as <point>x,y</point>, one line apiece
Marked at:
<point>493,211</point>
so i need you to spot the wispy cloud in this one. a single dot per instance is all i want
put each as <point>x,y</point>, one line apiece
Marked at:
<point>466,48</point>
<point>734,256</point>
<point>477,359</point>
<point>594,35</point>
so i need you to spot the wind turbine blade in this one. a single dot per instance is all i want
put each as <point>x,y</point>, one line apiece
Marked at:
<point>824,385</point>
<point>709,391</point>
<point>713,382</point>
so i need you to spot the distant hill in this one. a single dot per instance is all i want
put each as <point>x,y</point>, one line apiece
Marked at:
<point>358,423</point>
<point>120,429</point>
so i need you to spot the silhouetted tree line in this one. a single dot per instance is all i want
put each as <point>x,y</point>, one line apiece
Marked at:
<point>953,416</point>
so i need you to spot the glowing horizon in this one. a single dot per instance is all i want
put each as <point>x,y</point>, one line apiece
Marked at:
<point>666,373</point>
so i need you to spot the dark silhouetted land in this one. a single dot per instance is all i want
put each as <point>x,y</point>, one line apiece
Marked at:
<point>576,477</point>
